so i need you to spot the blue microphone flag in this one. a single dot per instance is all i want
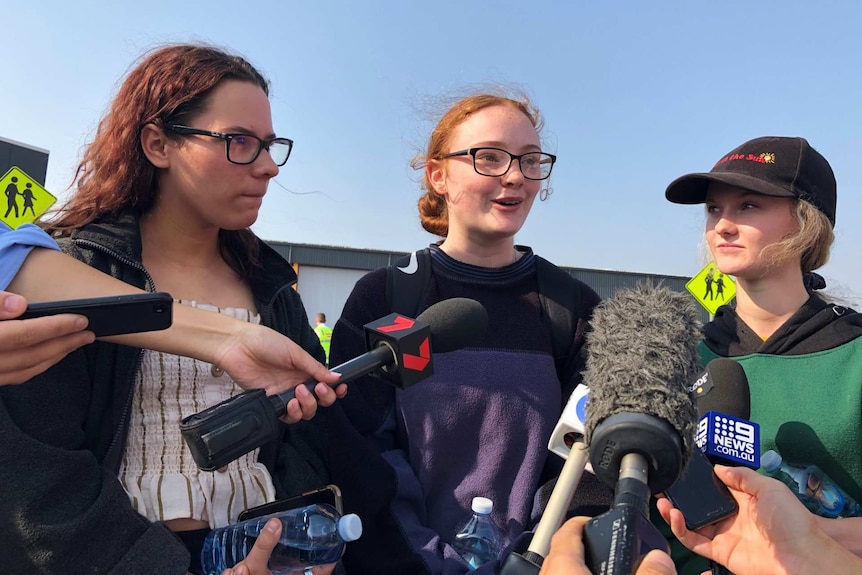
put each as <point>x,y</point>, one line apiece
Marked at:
<point>729,440</point>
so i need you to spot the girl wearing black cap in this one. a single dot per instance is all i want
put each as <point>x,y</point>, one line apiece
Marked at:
<point>770,210</point>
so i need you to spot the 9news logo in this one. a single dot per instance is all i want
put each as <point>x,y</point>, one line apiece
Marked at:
<point>730,438</point>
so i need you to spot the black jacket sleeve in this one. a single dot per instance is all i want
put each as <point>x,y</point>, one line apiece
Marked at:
<point>61,511</point>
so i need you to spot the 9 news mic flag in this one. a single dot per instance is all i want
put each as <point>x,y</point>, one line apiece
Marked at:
<point>729,440</point>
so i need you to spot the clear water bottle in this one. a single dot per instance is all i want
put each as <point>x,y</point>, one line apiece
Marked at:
<point>479,540</point>
<point>812,486</point>
<point>312,535</point>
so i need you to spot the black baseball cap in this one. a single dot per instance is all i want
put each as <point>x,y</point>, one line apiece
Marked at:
<point>772,166</point>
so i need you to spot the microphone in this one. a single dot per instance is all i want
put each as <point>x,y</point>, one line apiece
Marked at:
<point>640,428</point>
<point>567,441</point>
<point>725,436</point>
<point>699,494</point>
<point>723,387</point>
<point>570,427</point>
<point>399,353</point>
<point>724,433</point>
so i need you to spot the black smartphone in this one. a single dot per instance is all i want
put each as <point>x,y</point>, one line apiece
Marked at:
<point>113,315</point>
<point>330,494</point>
<point>700,495</point>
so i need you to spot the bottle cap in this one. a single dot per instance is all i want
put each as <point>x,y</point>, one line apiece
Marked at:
<point>770,460</point>
<point>482,505</point>
<point>350,527</point>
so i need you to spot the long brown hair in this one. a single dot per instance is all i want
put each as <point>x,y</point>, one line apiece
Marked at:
<point>169,85</point>
<point>432,206</point>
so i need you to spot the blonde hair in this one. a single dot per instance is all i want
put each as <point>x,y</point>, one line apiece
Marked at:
<point>432,206</point>
<point>810,243</point>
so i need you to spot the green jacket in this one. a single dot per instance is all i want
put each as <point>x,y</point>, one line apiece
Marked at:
<point>806,390</point>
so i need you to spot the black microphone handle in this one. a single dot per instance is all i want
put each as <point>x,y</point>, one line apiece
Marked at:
<point>380,356</point>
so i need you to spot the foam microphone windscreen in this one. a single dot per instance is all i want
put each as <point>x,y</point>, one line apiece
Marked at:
<point>725,389</point>
<point>455,323</point>
<point>641,356</point>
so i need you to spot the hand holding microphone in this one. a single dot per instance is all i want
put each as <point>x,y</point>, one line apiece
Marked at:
<point>399,352</point>
<point>640,420</point>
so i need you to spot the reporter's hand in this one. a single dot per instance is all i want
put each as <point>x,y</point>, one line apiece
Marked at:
<point>304,406</point>
<point>567,557</point>
<point>256,561</point>
<point>29,347</point>
<point>259,357</point>
<point>773,533</point>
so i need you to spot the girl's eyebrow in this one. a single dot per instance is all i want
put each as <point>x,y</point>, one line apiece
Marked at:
<point>502,145</point>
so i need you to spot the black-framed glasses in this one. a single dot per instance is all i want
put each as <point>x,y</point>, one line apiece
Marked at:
<point>496,162</point>
<point>243,149</point>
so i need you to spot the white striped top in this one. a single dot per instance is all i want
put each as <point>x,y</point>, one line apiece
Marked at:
<point>158,471</point>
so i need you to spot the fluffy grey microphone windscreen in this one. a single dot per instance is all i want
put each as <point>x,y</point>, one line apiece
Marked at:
<point>641,357</point>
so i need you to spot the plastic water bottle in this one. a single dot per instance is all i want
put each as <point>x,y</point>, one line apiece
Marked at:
<point>812,486</point>
<point>479,540</point>
<point>312,535</point>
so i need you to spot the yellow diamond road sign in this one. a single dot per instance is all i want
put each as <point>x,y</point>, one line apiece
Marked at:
<point>25,198</point>
<point>711,288</point>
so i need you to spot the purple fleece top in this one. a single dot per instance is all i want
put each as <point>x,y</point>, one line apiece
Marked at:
<point>480,425</point>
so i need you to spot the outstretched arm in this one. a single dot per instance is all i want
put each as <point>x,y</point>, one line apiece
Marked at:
<point>255,356</point>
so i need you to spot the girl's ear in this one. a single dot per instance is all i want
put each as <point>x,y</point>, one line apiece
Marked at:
<point>155,145</point>
<point>436,174</point>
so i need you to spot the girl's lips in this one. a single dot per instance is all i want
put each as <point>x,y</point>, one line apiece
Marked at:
<point>508,202</point>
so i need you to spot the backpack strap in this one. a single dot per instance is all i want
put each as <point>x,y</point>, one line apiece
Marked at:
<point>407,281</point>
<point>559,296</point>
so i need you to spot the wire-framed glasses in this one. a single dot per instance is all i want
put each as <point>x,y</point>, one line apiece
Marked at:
<point>496,162</point>
<point>243,148</point>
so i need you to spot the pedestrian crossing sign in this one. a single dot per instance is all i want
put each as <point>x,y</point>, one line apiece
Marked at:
<point>26,199</point>
<point>711,288</point>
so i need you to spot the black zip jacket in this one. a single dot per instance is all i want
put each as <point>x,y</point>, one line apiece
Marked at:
<point>62,435</point>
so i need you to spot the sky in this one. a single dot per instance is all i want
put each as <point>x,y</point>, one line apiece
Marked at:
<point>633,93</point>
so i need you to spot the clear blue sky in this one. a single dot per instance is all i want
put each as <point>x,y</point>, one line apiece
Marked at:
<point>634,94</point>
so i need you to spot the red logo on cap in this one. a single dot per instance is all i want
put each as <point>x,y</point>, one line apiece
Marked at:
<point>764,158</point>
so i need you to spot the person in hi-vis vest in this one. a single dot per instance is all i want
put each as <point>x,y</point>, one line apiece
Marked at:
<point>324,332</point>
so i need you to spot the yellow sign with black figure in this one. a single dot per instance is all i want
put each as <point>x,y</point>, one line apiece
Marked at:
<point>711,288</point>
<point>25,198</point>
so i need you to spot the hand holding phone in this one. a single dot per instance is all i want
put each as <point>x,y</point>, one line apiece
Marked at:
<point>700,495</point>
<point>113,315</point>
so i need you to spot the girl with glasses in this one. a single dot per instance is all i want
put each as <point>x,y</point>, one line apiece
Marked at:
<point>480,425</point>
<point>164,198</point>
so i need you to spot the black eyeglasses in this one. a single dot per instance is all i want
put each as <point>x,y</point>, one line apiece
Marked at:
<point>243,149</point>
<point>496,162</point>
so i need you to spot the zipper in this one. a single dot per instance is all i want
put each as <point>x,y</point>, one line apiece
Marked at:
<point>150,287</point>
